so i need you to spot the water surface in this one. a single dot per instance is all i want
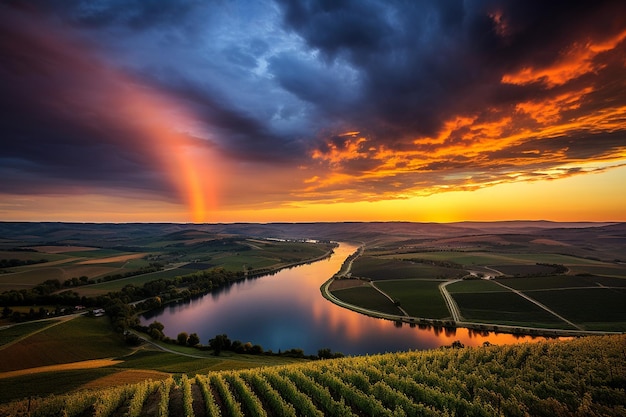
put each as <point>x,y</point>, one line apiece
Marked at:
<point>286,310</point>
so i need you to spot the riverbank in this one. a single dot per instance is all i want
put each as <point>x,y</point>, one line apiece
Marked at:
<point>456,322</point>
<point>476,326</point>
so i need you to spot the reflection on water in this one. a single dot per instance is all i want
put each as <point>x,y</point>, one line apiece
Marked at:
<point>286,310</point>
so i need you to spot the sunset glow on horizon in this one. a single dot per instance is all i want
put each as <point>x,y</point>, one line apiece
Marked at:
<point>284,112</point>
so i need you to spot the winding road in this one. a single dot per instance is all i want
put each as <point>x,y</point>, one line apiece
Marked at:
<point>452,306</point>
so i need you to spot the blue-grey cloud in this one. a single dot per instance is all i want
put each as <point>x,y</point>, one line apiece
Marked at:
<point>272,82</point>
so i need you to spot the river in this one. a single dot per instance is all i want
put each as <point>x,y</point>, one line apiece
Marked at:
<point>286,310</point>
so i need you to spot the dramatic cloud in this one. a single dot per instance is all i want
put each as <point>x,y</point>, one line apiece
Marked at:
<point>273,103</point>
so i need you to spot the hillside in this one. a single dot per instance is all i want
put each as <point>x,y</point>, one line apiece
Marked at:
<point>585,377</point>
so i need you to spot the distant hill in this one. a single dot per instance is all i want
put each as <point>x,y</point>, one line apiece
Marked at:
<point>607,239</point>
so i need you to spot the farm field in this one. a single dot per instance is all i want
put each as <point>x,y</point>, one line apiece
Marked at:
<point>596,308</point>
<point>488,380</point>
<point>505,308</point>
<point>591,303</point>
<point>533,266</point>
<point>171,252</point>
<point>474,286</point>
<point>419,298</point>
<point>57,356</point>
<point>385,268</point>
<point>137,280</point>
<point>489,258</point>
<point>12,333</point>
<point>367,297</point>
<point>68,341</point>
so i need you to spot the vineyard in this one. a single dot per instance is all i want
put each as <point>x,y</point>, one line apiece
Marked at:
<point>585,377</point>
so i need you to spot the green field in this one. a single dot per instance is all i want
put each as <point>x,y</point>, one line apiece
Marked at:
<point>75,340</point>
<point>30,256</point>
<point>377,269</point>
<point>232,254</point>
<point>15,332</point>
<point>137,280</point>
<point>484,301</point>
<point>97,253</point>
<point>367,297</point>
<point>593,308</point>
<point>505,308</point>
<point>176,363</point>
<point>474,286</point>
<point>493,258</point>
<point>605,269</point>
<point>419,298</point>
<point>562,281</point>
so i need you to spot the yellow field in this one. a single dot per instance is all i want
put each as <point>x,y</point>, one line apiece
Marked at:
<point>36,275</point>
<point>96,363</point>
<point>112,259</point>
<point>130,376</point>
<point>62,249</point>
<point>342,284</point>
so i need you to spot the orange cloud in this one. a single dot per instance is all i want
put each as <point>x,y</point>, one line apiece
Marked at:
<point>469,153</point>
<point>574,62</point>
<point>549,111</point>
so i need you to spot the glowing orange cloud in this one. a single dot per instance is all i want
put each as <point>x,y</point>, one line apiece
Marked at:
<point>576,61</point>
<point>494,146</point>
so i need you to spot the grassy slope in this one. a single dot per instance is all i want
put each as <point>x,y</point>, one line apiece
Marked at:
<point>585,376</point>
<point>62,344</point>
<point>75,340</point>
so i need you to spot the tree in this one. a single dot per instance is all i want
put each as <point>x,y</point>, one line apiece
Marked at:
<point>457,345</point>
<point>193,339</point>
<point>219,343</point>
<point>156,334</point>
<point>182,338</point>
<point>326,353</point>
<point>237,346</point>
<point>155,330</point>
<point>156,325</point>
<point>132,339</point>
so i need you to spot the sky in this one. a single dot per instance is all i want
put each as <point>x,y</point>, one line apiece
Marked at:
<point>297,111</point>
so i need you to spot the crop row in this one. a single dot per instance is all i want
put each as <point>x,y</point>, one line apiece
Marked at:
<point>585,376</point>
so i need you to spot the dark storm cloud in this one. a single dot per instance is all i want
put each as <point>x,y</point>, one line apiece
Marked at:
<point>61,117</point>
<point>421,61</point>
<point>135,14</point>
<point>280,83</point>
<point>54,132</point>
